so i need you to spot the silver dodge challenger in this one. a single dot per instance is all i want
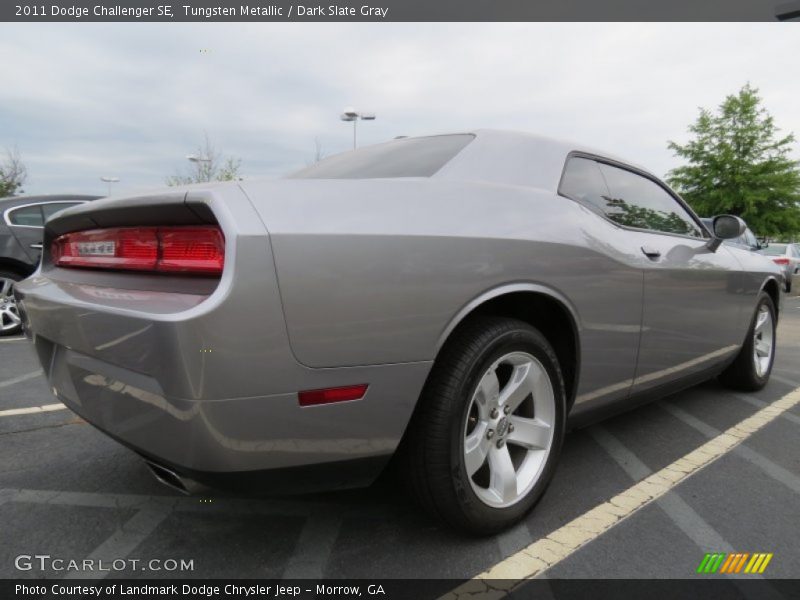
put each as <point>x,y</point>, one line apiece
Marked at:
<point>452,302</point>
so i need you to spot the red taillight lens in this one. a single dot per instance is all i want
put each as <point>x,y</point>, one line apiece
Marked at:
<point>329,395</point>
<point>162,249</point>
<point>781,261</point>
<point>193,249</point>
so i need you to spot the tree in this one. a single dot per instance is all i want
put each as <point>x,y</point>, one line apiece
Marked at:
<point>737,163</point>
<point>12,173</point>
<point>210,166</point>
<point>319,152</point>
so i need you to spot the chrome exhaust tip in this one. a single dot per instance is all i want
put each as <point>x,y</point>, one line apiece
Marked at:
<point>172,480</point>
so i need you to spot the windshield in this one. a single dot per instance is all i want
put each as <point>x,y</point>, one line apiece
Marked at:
<point>407,157</point>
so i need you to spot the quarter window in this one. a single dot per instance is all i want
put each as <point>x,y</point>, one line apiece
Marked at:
<point>50,209</point>
<point>625,197</point>
<point>27,216</point>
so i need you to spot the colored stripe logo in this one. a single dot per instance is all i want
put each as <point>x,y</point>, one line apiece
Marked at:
<point>734,562</point>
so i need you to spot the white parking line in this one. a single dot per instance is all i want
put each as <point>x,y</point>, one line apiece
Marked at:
<point>12,339</point>
<point>777,472</point>
<point>12,412</point>
<point>785,380</point>
<point>676,508</point>
<point>313,548</point>
<point>21,378</point>
<point>757,402</point>
<point>538,557</point>
<point>125,539</point>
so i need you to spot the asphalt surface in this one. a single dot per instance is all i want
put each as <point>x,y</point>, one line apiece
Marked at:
<point>68,491</point>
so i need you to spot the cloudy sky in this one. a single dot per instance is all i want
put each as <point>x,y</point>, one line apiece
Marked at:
<point>85,100</point>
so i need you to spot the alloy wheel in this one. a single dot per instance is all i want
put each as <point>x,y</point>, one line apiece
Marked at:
<point>9,315</point>
<point>509,429</point>
<point>763,341</point>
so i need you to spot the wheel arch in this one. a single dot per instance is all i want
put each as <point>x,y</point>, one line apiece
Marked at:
<point>540,306</point>
<point>773,288</point>
<point>15,266</point>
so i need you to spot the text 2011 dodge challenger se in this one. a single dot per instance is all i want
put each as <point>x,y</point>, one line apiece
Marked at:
<point>450,299</point>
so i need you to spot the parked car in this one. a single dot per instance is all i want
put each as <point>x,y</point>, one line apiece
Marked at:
<point>451,299</point>
<point>21,229</point>
<point>787,256</point>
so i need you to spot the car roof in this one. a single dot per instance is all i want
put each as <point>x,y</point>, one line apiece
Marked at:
<point>508,157</point>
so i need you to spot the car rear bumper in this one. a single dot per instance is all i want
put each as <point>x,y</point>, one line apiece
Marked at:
<point>204,380</point>
<point>204,438</point>
<point>221,441</point>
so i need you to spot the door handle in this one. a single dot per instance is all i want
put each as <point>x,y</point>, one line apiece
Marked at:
<point>36,246</point>
<point>651,253</point>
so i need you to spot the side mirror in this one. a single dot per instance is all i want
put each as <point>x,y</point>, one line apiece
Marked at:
<point>725,227</point>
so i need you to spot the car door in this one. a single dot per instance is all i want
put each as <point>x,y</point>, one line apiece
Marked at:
<point>26,224</point>
<point>692,306</point>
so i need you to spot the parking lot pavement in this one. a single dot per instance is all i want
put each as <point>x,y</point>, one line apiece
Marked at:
<point>67,490</point>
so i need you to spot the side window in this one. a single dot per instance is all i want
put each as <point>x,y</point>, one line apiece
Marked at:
<point>28,216</point>
<point>639,202</point>
<point>583,181</point>
<point>50,209</point>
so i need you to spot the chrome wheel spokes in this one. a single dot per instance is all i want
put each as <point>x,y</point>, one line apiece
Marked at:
<point>9,315</point>
<point>763,341</point>
<point>509,429</point>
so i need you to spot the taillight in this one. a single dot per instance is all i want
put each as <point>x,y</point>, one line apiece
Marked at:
<point>162,249</point>
<point>781,261</point>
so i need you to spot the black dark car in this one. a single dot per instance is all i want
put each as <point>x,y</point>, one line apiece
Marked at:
<point>21,224</point>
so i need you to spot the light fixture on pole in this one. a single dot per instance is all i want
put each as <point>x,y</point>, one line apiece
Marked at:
<point>109,181</point>
<point>197,159</point>
<point>351,114</point>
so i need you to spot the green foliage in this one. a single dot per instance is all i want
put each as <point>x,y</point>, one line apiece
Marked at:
<point>737,163</point>
<point>646,218</point>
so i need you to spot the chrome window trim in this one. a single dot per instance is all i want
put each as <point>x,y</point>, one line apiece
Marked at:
<point>8,211</point>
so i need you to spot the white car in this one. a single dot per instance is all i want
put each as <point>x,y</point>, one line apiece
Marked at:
<point>786,256</point>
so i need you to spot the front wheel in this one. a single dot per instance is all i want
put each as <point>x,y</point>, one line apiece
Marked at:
<point>10,321</point>
<point>751,369</point>
<point>484,441</point>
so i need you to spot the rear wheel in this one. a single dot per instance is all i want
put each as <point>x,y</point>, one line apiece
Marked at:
<point>485,439</point>
<point>752,367</point>
<point>10,321</point>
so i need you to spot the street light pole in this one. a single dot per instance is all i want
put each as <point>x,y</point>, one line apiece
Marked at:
<point>203,166</point>
<point>109,181</point>
<point>351,114</point>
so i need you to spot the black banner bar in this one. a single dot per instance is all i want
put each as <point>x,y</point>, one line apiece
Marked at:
<point>396,10</point>
<point>701,588</point>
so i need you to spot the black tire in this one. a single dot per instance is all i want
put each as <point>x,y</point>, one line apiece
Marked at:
<point>789,285</point>
<point>5,305</point>
<point>432,454</point>
<point>741,374</point>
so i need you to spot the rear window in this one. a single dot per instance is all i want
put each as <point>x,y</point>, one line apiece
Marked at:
<point>410,157</point>
<point>775,250</point>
